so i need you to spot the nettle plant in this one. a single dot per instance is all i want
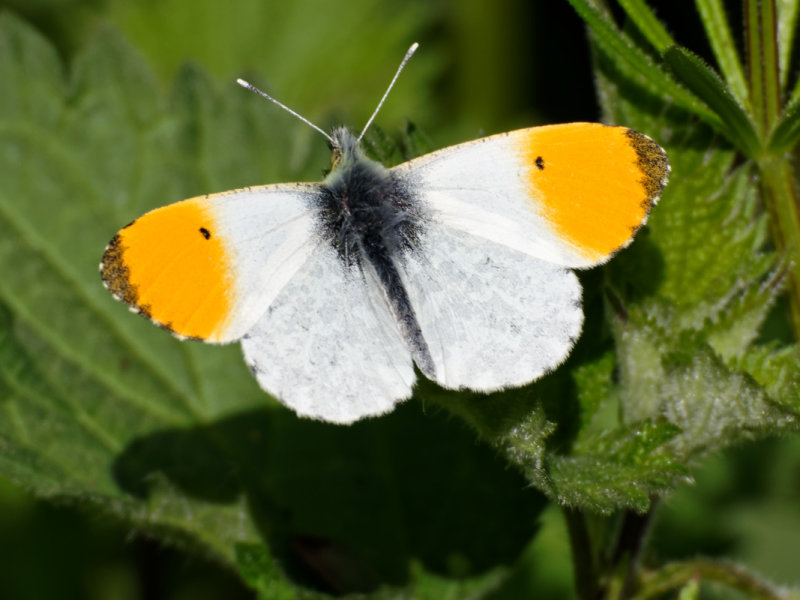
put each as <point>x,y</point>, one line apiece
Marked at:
<point>177,439</point>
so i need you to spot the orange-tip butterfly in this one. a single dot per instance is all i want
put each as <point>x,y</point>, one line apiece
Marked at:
<point>457,262</point>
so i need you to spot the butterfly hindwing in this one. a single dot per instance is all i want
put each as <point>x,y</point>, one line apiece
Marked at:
<point>492,317</point>
<point>328,346</point>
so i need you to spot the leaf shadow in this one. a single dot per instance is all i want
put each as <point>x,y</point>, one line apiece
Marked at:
<point>349,508</point>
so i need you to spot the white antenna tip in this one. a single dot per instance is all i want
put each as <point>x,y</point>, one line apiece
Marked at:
<point>403,62</point>
<point>264,94</point>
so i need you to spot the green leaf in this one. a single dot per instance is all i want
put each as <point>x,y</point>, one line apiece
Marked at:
<point>787,132</point>
<point>622,467</point>
<point>716,407</point>
<point>685,314</point>
<point>524,445</point>
<point>103,409</point>
<point>648,24</point>
<point>593,381</point>
<point>430,586</point>
<point>608,464</point>
<point>637,66</point>
<point>262,574</point>
<point>677,377</point>
<point>715,22</point>
<point>737,325</point>
<point>259,571</point>
<point>787,22</point>
<point>776,370</point>
<point>706,84</point>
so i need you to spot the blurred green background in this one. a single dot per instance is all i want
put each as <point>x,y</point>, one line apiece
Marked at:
<point>482,67</point>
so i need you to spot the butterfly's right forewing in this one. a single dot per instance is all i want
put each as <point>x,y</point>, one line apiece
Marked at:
<point>208,267</point>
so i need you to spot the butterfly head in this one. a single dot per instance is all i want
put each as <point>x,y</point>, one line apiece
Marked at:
<point>345,148</point>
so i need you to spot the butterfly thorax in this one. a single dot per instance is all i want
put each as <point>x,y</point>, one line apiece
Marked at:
<point>372,218</point>
<point>364,209</point>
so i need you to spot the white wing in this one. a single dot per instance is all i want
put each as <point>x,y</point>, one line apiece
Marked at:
<point>489,284</point>
<point>571,194</point>
<point>328,346</point>
<point>271,235</point>
<point>208,267</point>
<point>493,317</point>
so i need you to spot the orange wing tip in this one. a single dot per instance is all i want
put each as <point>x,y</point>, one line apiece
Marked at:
<point>594,184</point>
<point>116,279</point>
<point>116,276</point>
<point>173,265</point>
<point>653,164</point>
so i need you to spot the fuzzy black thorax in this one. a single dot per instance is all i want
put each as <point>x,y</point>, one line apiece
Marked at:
<point>364,211</point>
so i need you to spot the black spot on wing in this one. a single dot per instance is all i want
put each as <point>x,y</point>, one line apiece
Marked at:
<point>540,163</point>
<point>205,233</point>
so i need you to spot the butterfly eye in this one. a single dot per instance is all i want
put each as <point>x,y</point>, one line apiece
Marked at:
<point>336,157</point>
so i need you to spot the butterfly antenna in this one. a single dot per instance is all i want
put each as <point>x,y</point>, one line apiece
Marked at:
<point>408,55</point>
<point>253,88</point>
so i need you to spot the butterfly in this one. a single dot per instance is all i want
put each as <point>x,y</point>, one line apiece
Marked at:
<point>458,262</point>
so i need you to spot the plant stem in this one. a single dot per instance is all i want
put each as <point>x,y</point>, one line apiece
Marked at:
<point>583,555</point>
<point>631,539</point>
<point>777,180</point>
<point>676,575</point>
<point>771,70</point>
<point>780,199</point>
<point>762,59</point>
